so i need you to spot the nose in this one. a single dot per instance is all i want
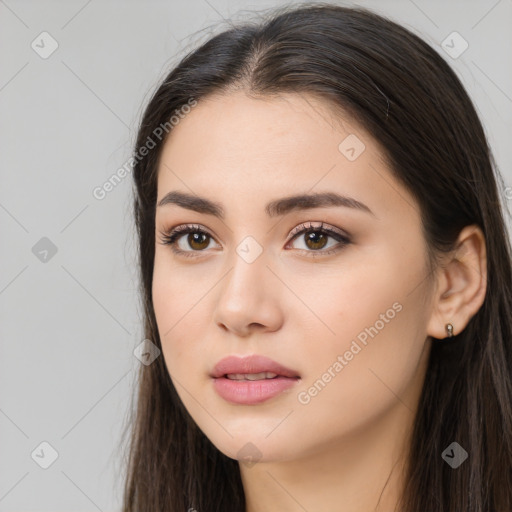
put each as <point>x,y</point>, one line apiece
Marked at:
<point>249,298</point>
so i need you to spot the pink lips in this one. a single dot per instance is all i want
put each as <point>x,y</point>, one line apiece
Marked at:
<point>254,391</point>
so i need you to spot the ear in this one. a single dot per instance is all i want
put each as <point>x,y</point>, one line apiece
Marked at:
<point>461,284</point>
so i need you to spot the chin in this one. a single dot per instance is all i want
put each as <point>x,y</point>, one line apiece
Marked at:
<point>250,448</point>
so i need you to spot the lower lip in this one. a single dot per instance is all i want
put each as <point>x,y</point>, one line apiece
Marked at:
<point>250,392</point>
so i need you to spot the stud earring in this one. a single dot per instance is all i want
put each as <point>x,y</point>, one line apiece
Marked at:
<point>449,330</point>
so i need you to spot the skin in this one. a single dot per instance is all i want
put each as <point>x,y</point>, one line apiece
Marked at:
<point>352,437</point>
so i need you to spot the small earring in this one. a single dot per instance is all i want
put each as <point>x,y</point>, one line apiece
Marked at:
<point>449,330</point>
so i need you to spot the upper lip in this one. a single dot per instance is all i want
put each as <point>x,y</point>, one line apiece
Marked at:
<point>250,364</point>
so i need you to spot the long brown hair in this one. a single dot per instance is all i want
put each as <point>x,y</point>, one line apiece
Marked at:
<point>408,98</point>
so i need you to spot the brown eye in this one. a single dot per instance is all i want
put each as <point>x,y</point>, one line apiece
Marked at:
<point>316,240</point>
<point>187,240</point>
<point>198,241</point>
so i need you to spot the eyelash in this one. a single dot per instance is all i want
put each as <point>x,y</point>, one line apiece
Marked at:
<point>170,238</point>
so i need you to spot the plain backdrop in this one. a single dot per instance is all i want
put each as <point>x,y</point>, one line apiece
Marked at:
<point>74,79</point>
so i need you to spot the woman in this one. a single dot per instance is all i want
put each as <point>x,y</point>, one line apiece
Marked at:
<point>326,271</point>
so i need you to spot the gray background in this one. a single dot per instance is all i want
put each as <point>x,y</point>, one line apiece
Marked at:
<point>69,324</point>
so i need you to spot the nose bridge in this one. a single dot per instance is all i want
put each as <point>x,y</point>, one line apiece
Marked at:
<point>247,295</point>
<point>248,275</point>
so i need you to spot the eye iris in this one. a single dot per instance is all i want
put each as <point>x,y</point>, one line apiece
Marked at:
<point>198,238</point>
<point>313,237</point>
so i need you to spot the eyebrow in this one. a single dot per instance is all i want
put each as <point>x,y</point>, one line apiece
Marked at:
<point>275,208</point>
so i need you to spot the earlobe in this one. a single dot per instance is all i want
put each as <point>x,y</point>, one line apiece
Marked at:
<point>461,285</point>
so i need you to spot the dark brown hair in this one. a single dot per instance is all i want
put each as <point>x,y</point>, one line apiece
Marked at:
<point>408,98</point>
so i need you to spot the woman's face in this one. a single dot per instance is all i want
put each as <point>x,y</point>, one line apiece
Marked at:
<point>346,310</point>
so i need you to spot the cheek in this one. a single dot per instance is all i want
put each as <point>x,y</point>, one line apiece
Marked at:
<point>176,296</point>
<point>173,307</point>
<point>343,300</point>
<point>370,318</point>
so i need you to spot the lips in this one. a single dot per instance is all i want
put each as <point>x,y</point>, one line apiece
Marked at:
<point>254,364</point>
<point>251,380</point>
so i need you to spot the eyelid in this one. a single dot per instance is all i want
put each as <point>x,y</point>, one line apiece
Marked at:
<point>185,228</point>
<point>176,232</point>
<point>170,237</point>
<point>320,226</point>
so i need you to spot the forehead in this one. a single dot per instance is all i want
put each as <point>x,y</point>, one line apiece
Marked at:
<point>240,149</point>
<point>236,125</point>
